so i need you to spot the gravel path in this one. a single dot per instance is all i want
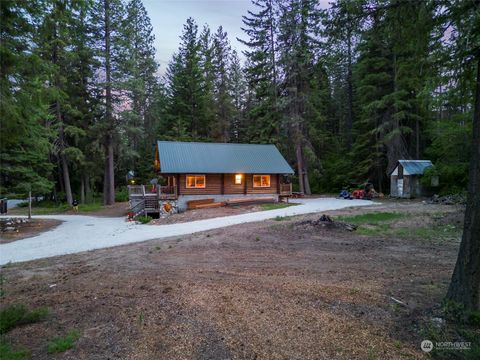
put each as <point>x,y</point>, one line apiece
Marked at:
<point>83,233</point>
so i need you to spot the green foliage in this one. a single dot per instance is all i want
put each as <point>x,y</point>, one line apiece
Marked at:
<point>450,151</point>
<point>15,315</point>
<point>63,343</point>
<point>274,206</point>
<point>6,352</point>
<point>144,219</point>
<point>121,195</point>
<point>474,318</point>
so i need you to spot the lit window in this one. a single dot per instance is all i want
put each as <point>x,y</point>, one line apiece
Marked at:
<point>261,180</point>
<point>238,179</point>
<point>195,181</point>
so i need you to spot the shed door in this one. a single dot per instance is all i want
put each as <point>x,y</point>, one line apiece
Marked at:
<point>400,187</point>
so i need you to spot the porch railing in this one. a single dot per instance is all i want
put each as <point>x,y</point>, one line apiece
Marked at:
<point>162,192</point>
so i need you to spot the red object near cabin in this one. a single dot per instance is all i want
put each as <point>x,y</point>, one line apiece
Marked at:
<point>358,194</point>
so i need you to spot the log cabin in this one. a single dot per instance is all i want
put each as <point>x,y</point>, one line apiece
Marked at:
<point>195,174</point>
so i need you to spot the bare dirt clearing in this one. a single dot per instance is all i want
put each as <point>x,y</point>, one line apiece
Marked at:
<point>202,214</point>
<point>266,290</point>
<point>28,229</point>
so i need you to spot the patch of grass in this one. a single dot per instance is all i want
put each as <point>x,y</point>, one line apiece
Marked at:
<point>434,232</point>
<point>257,238</point>
<point>273,206</point>
<point>63,343</point>
<point>144,219</point>
<point>6,352</point>
<point>50,207</point>
<point>281,218</point>
<point>372,218</point>
<point>89,207</point>
<point>18,314</point>
<point>383,224</point>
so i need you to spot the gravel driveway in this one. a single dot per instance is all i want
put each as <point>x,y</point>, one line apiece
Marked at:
<point>83,233</point>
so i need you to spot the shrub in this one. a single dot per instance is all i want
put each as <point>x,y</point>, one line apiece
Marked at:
<point>474,318</point>
<point>63,343</point>
<point>121,195</point>
<point>15,315</point>
<point>6,352</point>
<point>144,219</point>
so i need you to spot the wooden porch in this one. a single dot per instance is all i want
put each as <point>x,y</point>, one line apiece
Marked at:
<point>146,199</point>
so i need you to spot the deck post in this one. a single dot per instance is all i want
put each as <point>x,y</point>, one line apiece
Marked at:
<point>246,186</point>
<point>222,186</point>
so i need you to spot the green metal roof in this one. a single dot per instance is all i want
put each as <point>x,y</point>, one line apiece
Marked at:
<point>194,157</point>
<point>415,167</point>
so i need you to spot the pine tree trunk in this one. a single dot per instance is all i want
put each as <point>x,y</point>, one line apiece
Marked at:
<point>349,122</point>
<point>88,190</point>
<point>82,190</point>
<point>300,166</point>
<point>465,284</point>
<point>109,177</point>
<point>63,159</point>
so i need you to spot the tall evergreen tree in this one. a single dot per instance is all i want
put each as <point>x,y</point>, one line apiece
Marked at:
<point>185,79</point>
<point>139,70</point>
<point>220,128</point>
<point>262,73</point>
<point>25,164</point>
<point>108,15</point>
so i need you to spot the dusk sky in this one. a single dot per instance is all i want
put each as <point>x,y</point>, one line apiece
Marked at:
<point>168,17</point>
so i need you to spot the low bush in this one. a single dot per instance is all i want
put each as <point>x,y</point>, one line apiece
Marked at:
<point>121,195</point>
<point>15,315</point>
<point>63,343</point>
<point>6,352</point>
<point>144,219</point>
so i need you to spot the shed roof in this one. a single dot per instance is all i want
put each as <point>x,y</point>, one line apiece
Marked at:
<point>195,157</point>
<point>413,167</point>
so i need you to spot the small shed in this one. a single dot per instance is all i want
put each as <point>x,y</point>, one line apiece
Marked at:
<point>405,178</point>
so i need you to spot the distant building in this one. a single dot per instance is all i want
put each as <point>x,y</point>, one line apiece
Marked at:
<point>405,179</point>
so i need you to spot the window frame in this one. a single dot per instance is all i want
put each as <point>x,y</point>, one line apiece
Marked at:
<point>195,176</point>
<point>262,186</point>
<point>235,179</point>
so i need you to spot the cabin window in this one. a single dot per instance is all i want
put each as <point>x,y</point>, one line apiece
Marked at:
<point>261,180</point>
<point>196,181</point>
<point>238,179</point>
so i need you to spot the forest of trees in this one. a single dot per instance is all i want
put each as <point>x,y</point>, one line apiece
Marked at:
<point>344,92</point>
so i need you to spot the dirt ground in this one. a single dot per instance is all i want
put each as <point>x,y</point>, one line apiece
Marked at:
<point>208,213</point>
<point>266,290</point>
<point>28,229</point>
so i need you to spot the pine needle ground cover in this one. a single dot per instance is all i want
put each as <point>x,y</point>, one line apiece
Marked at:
<point>272,289</point>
